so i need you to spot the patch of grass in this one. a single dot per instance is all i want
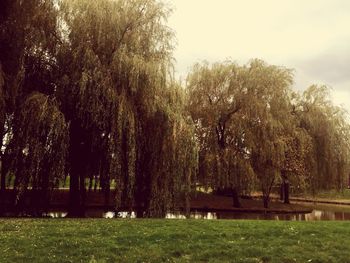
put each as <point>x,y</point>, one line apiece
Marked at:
<point>329,195</point>
<point>159,240</point>
<point>333,194</point>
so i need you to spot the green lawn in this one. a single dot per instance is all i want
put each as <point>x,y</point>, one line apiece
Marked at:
<point>119,240</point>
<point>332,194</point>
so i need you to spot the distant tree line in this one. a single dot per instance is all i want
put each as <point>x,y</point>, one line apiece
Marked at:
<point>87,90</point>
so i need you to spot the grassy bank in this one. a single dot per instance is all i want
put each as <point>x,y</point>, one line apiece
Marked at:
<point>98,240</point>
<point>334,195</point>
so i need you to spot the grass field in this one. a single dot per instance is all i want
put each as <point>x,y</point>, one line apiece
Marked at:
<point>101,240</point>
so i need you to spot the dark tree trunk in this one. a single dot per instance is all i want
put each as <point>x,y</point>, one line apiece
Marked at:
<point>282,191</point>
<point>74,200</point>
<point>82,191</point>
<point>95,184</point>
<point>77,160</point>
<point>286,191</point>
<point>43,194</point>
<point>188,195</point>
<point>235,198</point>
<point>284,187</point>
<point>2,173</point>
<point>4,169</point>
<point>140,212</point>
<point>90,183</point>
<point>3,176</point>
<point>107,191</point>
<point>266,200</point>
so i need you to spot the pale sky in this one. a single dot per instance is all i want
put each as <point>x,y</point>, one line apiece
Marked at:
<point>310,36</point>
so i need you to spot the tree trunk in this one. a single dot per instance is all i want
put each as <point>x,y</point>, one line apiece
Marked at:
<point>286,191</point>
<point>282,191</point>
<point>42,198</point>
<point>2,170</point>
<point>77,153</point>
<point>235,198</point>
<point>4,165</point>
<point>187,195</point>
<point>266,201</point>
<point>2,187</point>
<point>284,187</point>
<point>107,191</point>
<point>82,191</point>
<point>95,184</point>
<point>3,176</point>
<point>90,183</point>
<point>74,200</point>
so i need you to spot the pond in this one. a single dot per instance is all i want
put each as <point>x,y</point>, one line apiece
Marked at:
<point>320,212</point>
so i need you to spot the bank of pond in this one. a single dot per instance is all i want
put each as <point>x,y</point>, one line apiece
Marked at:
<point>202,206</point>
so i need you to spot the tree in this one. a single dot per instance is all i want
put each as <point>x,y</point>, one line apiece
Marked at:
<point>38,149</point>
<point>327,126</point>
<point>268,90</point>
<point>217,101</point>
<point>27,42</point>
<point>241,116</point>
<point>115,90</point>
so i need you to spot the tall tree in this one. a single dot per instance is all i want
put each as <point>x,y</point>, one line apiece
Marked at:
<point>241,115</point>
<point>115,64</point>
<point>328,128</point>
<point>38,148</point>
<point>268,89</point>
<point>217,101</point>
<point>27,43</point>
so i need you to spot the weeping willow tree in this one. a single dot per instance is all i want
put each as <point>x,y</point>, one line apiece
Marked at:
<point>217,103</point>
<point>27,42</point>
<point>328,128</point>
<point>243,123</point>
<point>115,63</point>
<point>269,117</point>
<point>167,161</point>
<point>38,148</point>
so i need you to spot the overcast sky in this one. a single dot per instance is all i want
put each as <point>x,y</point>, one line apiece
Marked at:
<point>310,36</point>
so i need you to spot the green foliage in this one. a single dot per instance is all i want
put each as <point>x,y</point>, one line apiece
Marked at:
<point>27,42</point>
<point>239,114</point>
<point>250,124</point>
<point>39,144</point>
<point>117,61</point>
<point>216,101</point>
<point>329,130</point>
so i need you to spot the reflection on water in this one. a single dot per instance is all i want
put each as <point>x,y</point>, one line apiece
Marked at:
<point>95,213</point>
<point>316,215</point>
<point>56,214</point>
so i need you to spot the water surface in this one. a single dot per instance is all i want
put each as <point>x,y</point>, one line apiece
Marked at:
<point>320,212</point>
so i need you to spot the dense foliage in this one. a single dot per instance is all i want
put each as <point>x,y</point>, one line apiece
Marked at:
<point>87,92</point>
<point>255,131</point>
